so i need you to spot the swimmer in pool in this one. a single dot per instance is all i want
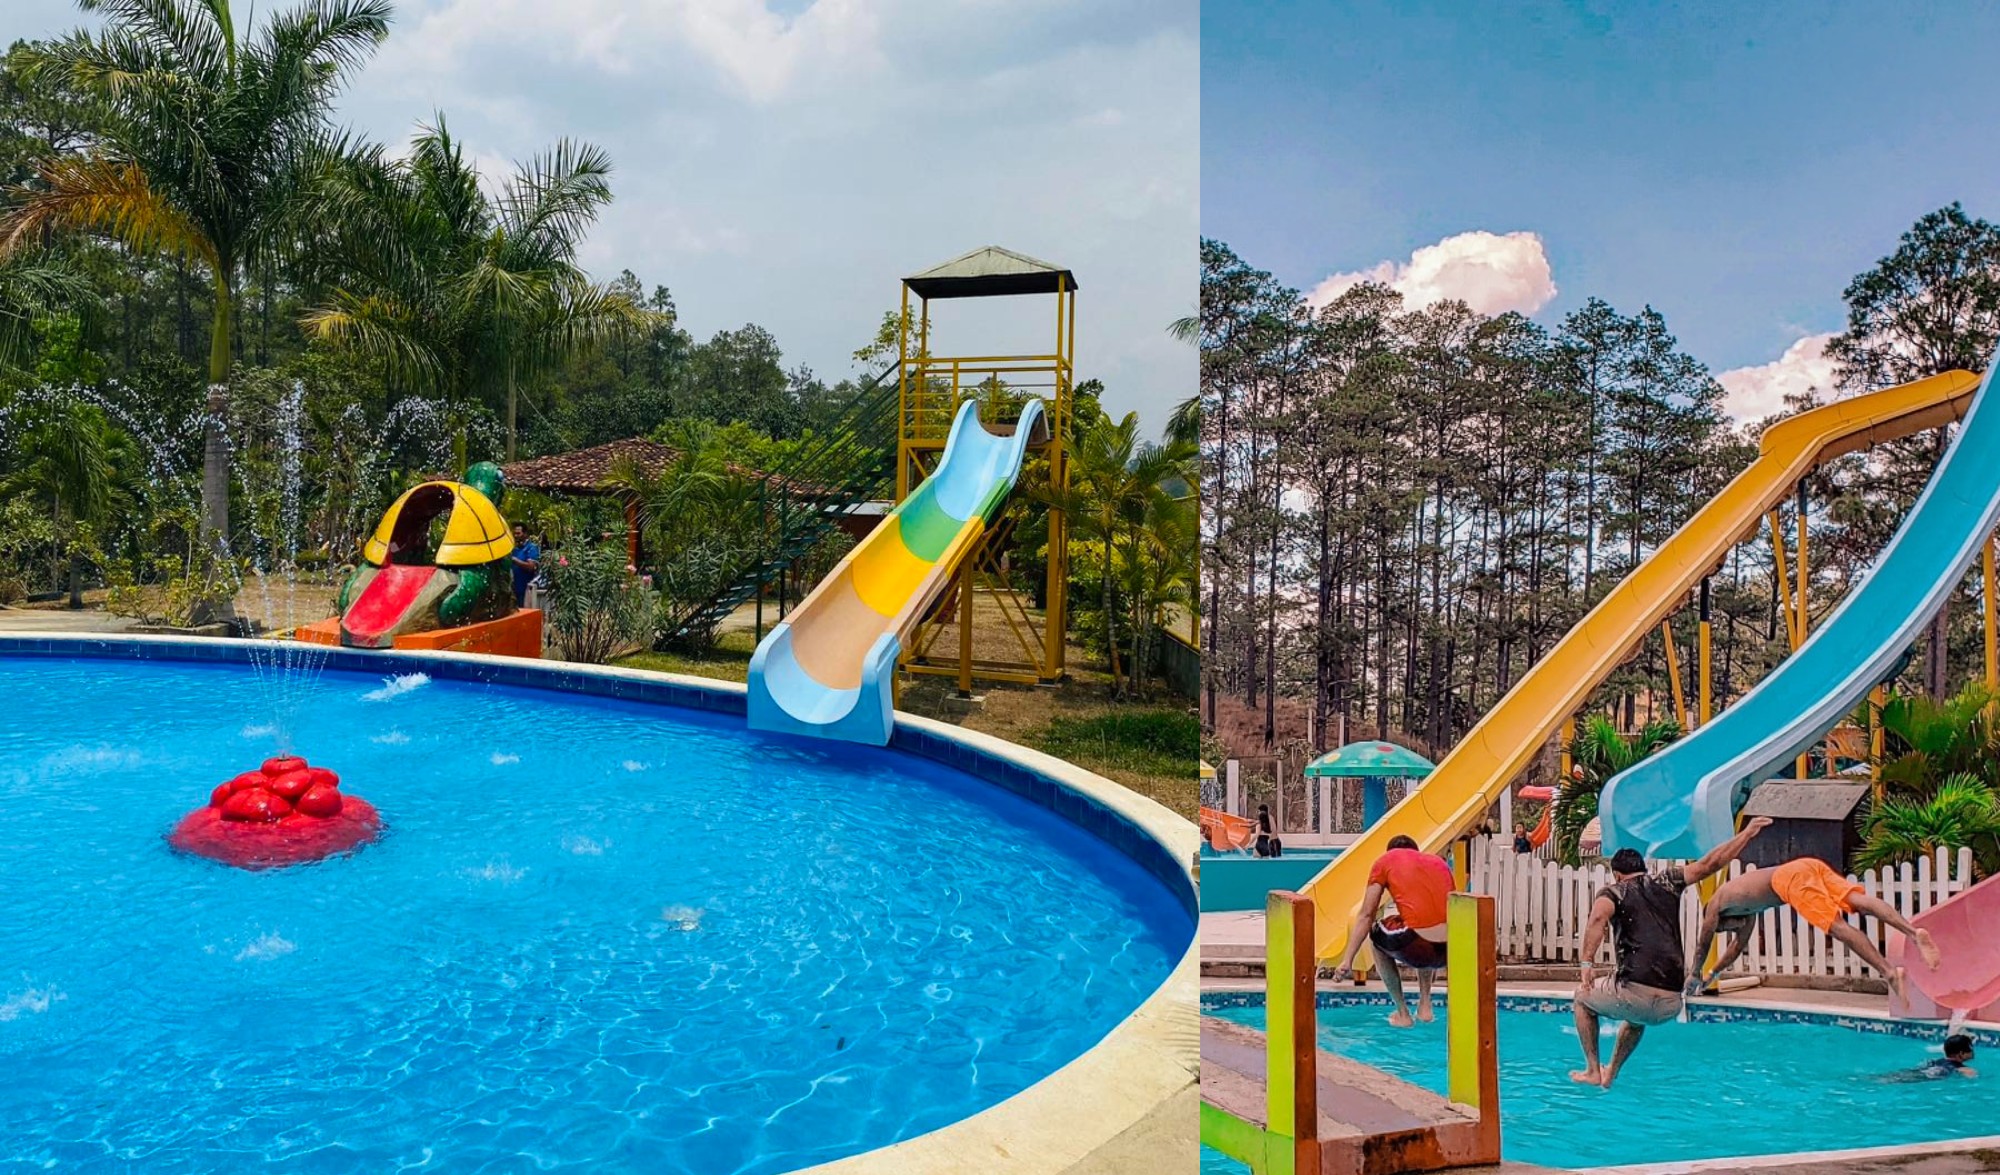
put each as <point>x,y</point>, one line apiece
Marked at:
<point>1821,896</point>
<point>1956,1062</point>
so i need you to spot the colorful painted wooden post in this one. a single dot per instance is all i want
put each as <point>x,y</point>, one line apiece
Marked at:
<point>1291,1036</point>
<point>1471,1013</point>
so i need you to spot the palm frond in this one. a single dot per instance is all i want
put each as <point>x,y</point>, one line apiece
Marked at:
<point>82,194</point>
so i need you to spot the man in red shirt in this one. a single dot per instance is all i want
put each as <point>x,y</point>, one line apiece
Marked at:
<point>1418,882</point>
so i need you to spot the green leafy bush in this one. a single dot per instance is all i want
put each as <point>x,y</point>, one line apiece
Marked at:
<point>594,607</point>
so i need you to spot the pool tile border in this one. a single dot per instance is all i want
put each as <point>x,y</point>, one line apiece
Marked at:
<point>1700,1011</point>
<point>1044,1129</point>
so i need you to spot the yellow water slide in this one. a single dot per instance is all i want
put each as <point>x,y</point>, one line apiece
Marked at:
<point>1469,779</point>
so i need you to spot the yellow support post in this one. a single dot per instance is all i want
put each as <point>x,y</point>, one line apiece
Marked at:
<point>1674,672</point>
<point>1805,616</point>
<point>1784,575</point>
<point>1706,694</point>
<point>1472,1049</point>
<point>1291,1029</point>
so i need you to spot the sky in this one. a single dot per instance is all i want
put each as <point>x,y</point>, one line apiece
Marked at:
<point>1733,165</point>
<point>787,162</point>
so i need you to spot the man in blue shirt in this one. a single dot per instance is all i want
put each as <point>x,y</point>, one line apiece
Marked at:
<point>527,560</point>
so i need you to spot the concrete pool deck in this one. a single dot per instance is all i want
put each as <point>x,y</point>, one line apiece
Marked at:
<point>1128,1104</point>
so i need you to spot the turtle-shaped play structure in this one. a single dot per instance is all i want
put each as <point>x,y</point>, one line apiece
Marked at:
<point>438,559</point>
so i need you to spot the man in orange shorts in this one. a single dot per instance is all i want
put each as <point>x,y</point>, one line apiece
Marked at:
<point>1820,895</point>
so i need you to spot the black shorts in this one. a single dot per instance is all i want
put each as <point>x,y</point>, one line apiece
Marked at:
<point>1393,940</point>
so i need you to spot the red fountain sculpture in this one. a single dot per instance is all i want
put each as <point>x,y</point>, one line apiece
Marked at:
<point>285,813</point>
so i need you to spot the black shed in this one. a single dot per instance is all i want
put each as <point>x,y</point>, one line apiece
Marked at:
<point>1810,818</point>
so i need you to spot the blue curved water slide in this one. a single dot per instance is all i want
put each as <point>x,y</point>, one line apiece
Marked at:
<point>1682,802</point>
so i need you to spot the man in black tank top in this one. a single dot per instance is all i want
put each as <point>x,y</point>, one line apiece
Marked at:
<point>1643,913</point>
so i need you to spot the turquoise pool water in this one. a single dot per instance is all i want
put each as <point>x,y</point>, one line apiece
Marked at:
<point>1234,881</point>
<point>597,935</point>
<point>1691,1091</point>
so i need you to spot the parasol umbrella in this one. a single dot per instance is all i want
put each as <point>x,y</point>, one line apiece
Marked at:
<point>1372,762</point>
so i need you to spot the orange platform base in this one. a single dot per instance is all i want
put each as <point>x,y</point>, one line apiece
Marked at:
<point>518,635</point>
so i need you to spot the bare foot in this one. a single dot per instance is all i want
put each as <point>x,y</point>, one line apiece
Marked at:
<point>1400,1019</point>
<point>1610,1075</point>
<point>1897,986</point>
<point>1927,947</point>
<point>1424,1013</point>
<point>1587,1076</point>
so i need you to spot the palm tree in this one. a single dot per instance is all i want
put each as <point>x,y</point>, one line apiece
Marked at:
<point>1158,568</point>
<point>1927,741</point>
<point>70,456</point>
<point>1126,497</point>
<point>1599,752</point>
<point>458,293</point>
<point>1963,812</point>
<point>1099,459</point>
<point>31,287</point>
<point>207,150</point>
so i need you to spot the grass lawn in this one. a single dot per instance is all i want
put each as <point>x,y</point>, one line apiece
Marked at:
<point>1150,747</point>
<point>728,661</point>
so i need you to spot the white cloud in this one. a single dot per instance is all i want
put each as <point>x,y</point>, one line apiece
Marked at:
<point>1754,393</point>
<point>1490,272</point>
<point>758,53</point>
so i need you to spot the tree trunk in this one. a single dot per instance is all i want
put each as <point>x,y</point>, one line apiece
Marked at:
<point>214,529</point>
<point>511,436</point>
<point>75,581</point>
<point>1937,649</point>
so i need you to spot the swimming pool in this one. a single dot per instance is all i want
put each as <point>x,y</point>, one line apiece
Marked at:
<point>1762,1083</point>
<point>1234,881</point>
<point>598,934</point>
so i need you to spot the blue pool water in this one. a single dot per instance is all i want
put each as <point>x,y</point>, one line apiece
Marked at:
<point>1691,1091</point>
<point>597,936</point>
<point>1236,881</point>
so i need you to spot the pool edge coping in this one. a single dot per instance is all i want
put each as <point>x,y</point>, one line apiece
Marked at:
<point>1795,1158</point>
<point>1045,1129</point>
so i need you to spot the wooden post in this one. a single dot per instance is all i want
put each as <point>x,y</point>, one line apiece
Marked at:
<point>1472,1057</point>
<point>1291,1028</point>
<point>965,627</point>
<point>1879,698</point>
<point>1992,624</point>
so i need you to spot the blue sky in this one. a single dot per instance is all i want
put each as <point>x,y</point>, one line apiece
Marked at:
<point>753,143</point>
<point>1732,164</point>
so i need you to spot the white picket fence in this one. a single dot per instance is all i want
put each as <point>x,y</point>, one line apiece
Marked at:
<point>1541,909</point>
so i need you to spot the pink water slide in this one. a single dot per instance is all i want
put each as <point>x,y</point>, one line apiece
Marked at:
<point>1967,979</point>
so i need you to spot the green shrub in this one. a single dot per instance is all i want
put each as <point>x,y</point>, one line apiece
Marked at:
<point>595,608</point>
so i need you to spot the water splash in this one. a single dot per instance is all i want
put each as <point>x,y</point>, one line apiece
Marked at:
<point>397,686</point>
<point>267,946</point>
<point>35,1000</point>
